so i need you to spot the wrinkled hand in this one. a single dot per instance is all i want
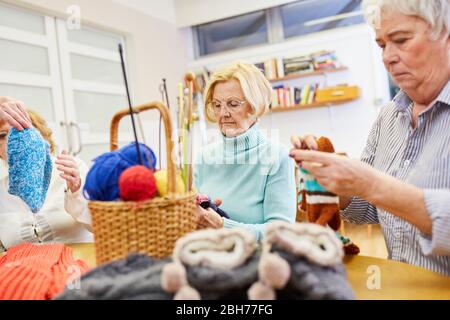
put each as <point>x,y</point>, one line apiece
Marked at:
<point>304,142</point>
<point>339,174</point>
<point>14,113</point>
<point>208,218</point>
<point>68,167</point>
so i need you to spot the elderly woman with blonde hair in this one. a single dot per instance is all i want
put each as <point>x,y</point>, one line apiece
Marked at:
<point>403,179</point>
<point>251,175</point>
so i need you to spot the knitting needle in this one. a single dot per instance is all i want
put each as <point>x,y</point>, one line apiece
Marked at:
<point>165,100</point>
<point>201,118</point>
<point>181,123</point>
<point>165,91</point>
<point>167,104</point>
<point>129,104</point>
<point>185,136</point>
<point>189,78</point>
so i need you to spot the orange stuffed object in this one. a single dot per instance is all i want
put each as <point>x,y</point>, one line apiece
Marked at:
<point>321,206</point>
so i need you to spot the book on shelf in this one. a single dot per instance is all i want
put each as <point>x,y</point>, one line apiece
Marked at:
<point>325,60</point>
<point>269,68</point>
<point>300,64</point>
<point>284,96</point>
<point>305,95</point>
<point>316,61</point>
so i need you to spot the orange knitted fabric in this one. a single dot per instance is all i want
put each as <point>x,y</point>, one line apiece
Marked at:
<point>37,272</point>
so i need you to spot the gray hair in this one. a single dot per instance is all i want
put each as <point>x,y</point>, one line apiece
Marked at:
<point>435,12</point>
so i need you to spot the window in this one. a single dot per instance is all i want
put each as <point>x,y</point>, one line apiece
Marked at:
<point>276,24</point>
<point>310,16</point>
<point>237,32</point>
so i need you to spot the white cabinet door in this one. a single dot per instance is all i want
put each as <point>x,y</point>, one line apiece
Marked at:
<point>29,66</point>
<point>72,78</point>
<point>93,86</point>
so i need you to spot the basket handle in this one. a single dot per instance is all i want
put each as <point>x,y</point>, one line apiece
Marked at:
<point>114,140</point>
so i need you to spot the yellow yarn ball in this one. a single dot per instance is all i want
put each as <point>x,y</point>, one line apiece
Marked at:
<point>162,183</point>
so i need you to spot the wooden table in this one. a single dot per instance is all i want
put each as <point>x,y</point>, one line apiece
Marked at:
<point>397,280</point>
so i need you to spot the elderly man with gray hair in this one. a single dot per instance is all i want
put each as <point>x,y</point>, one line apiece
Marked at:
<point>403,179</point>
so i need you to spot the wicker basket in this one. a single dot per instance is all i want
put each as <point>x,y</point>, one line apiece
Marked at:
<point>151,227</point>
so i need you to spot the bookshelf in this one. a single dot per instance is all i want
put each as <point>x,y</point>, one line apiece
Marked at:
<point>289,94</point>
<point>292,92</point>
<point>308,74</point>
<point>312,105</point>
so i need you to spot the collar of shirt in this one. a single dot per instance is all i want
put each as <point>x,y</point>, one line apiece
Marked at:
<point>444,95</point>
<point>404,103</point>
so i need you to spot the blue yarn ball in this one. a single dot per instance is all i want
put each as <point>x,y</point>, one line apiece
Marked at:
<point>102,180</point>
<point>148,156</point>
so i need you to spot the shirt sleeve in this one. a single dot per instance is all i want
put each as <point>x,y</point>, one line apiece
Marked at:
<point>75,204</point>
<point>64,211</point>
<point>16,228</point>
<point>437,202</point>
<point>360,211</point>
<point>279,198</point>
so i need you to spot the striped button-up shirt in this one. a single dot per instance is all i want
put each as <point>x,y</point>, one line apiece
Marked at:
<point>419,156</point>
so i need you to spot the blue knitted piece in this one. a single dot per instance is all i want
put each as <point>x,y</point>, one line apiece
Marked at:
<point>310,183</point>
<point>102,180</point>
<point>30,167</point>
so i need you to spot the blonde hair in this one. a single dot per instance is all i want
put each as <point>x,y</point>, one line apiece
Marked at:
<point>256,88</point>
<point>41,125</point>
<point>435,12</point>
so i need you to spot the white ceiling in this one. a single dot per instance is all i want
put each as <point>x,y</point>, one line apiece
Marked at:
<point>161,9</point>
<point>194,12</point>
<point>185,13</point>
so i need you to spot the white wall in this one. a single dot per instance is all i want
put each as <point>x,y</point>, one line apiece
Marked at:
<point>160,9</point>
<point>347,125</point>
<point>194,12</point>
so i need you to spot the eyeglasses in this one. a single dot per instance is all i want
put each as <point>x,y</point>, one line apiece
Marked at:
<point>232,105</point>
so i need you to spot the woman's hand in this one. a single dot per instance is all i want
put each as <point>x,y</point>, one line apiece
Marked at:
<point>68,167</point>
<point>14,113</point>
<point>347,177</point>
<point>208,218</point>
<point>339,174</point>
<point>305,142</point>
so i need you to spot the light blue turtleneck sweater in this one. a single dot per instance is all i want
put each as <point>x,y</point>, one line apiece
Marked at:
<point>253,176</point>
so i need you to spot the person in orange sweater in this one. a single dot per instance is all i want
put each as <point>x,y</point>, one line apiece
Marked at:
<point>38,272</point>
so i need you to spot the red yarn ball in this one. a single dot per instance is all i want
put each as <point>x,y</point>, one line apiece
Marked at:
<point>137,183</point>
